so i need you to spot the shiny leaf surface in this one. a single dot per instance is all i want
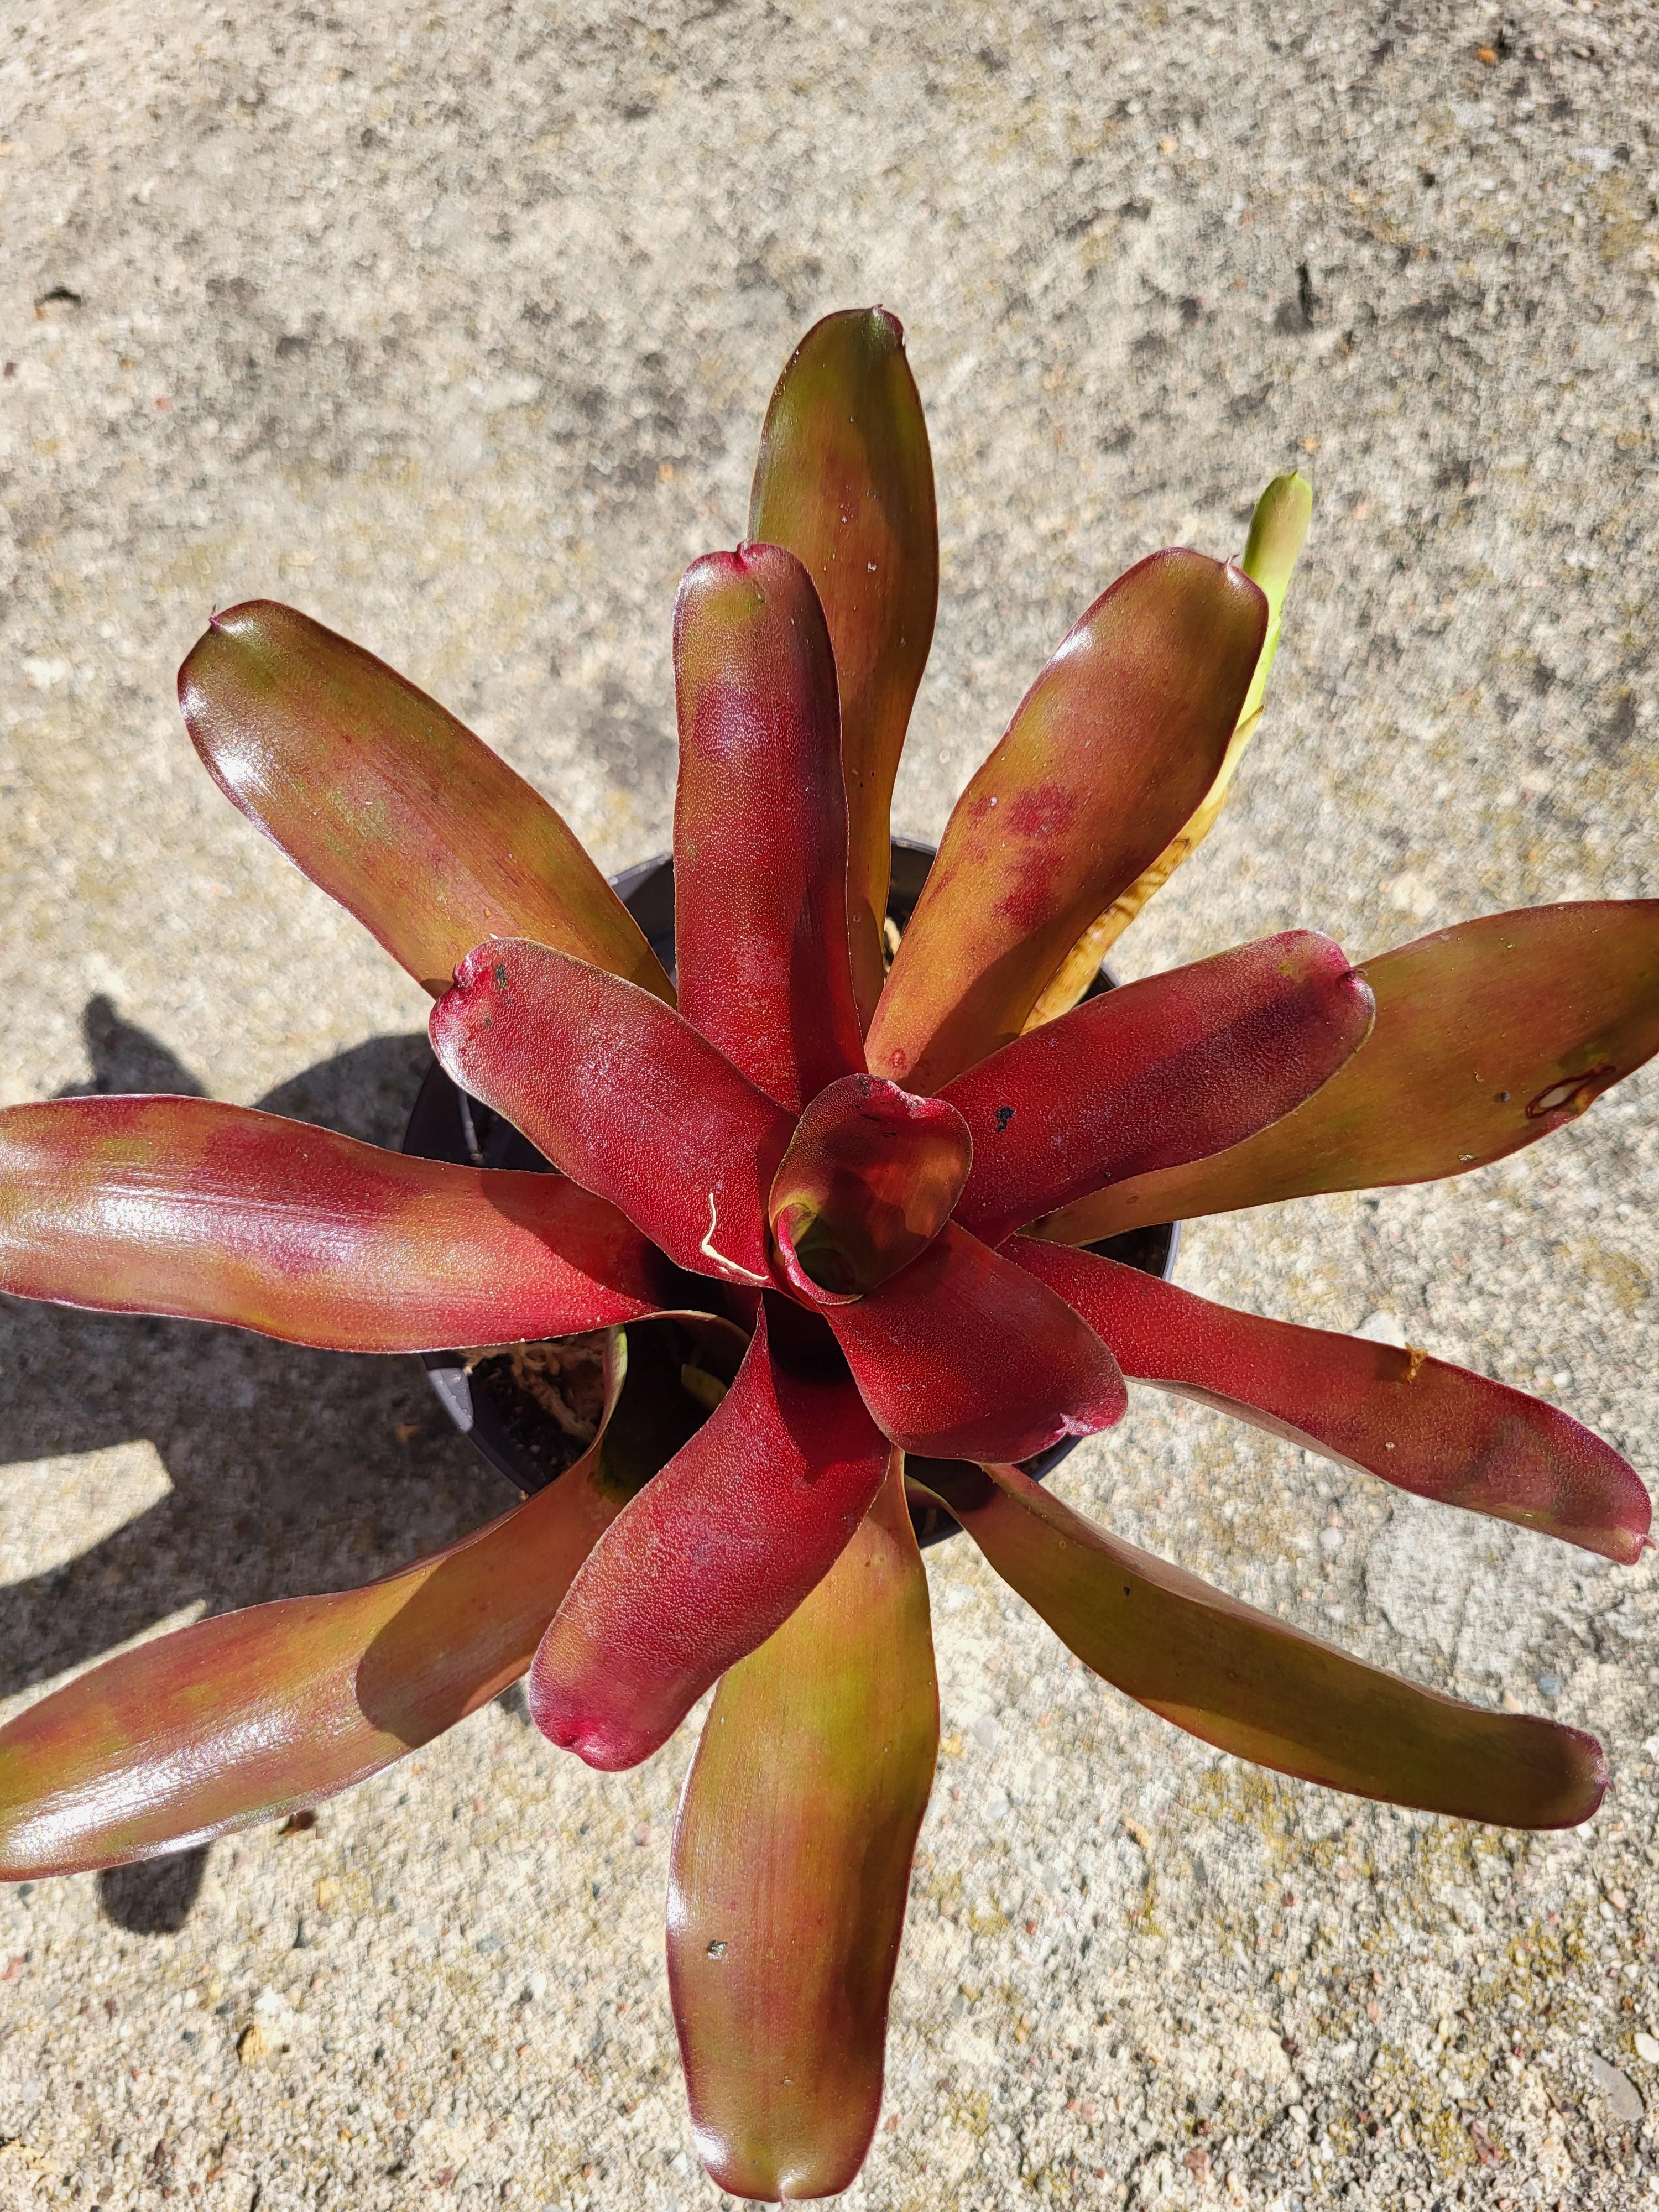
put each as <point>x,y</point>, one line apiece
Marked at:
<point>714,1555</point>
<point>214,1212</point>
<point>1277,531</point>
<point>1108,754</point>
<point>1155,1073</point>
<point>1421,1424</point>
<point>870,1178</point>
<point>624,1095</point>
<point>845,481</point>
<point>247,1716</point>
<point>760,826</point>
<point>965,1355</point>
<point>791,1871</point>
<point>390,805</point>
<point>1488,1036</point>
<point>1262,1690</point>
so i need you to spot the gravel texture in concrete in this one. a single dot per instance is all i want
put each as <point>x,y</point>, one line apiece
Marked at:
<point>453,325</point>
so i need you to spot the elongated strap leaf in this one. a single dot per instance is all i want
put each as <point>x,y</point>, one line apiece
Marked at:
<point>965,1352</point>
<point>1488,1036</point>
<point>1081,963</point>
<point>249,1714</point>
<point>624,1095</point>
<point>1277,531</point>
<point>716,1552</point>
<point>1108,754</point>
<point>791,1871</point>
<point>870,1178</point>
<point>390,805</point>
<point>845,481</point>
<point>1154,1074</point>
<point>1435,1429</point>
<point>760,826</point>
<point>1258,1688</point>
<point>214,1212</point>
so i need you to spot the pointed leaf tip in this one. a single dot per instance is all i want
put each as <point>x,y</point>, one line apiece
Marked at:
<point>760,825</point>
<point>1259,1688</point>
<point>246,1715</point>
<point>1109,753</point>
<point>1171,1068</point>
<point>1489,1035</point>
<point>791,1871</point>
<point>844,479</point>
<point>716,1552</point>
<point>1414,1421</point>
<point>389,803</point>
<point>963,1355</point>
<point>611,1084</point>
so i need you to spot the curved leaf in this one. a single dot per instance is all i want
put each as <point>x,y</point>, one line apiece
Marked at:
<point>791,1871</point>
<point>1435,1429</point>
<point>1155,1073</point>
<point>870,1178</point>
<point>214,1212</point>
<point>965,1353</point>
<point>1108,754</point>
<point>716,1554</point>
<point>390,805</point>
<point>624,1095</point>
<point>1488,1036</point>
<point>845,481</point>
<point>249,1714</point>
<point>1277,531</point>
<point>1258,1688</point>
<point>760,826</point>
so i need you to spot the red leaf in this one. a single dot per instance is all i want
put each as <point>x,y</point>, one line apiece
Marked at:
<point>964,1355</point>
<point>389,803</point>
<point>845,480</point>
<point>760,826</point>
<point>714,1555</point>
<point>791,1871</point>
<point>1157,1073</point>
<point>1488,1037</point>
<point>246,1715</point>
<point>870,1178</point>
<point>1258,1688</point>
<point>624,1095</point>
<point>1109,754</point>
<point>213,1212</point>
<point>1437,1430</point>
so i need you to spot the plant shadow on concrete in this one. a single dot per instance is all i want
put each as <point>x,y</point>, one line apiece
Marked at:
<point>283,1464</point>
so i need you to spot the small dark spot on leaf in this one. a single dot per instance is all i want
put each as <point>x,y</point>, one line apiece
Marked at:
<point>500,974</point>
<point>1005,1115</point>
<point>716,1949</point>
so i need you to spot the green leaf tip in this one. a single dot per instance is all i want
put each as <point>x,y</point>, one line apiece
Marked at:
<point>1278,528</point>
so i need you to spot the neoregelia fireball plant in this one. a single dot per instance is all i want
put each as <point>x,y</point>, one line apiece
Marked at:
<point>867,1196</point>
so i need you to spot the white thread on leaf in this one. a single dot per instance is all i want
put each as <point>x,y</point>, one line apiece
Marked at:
<point>707,1248</point>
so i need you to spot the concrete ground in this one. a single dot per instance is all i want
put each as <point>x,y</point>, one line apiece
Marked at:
<point>454,325</point>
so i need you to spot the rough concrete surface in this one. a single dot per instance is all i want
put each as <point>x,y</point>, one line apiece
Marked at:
<point>453,325</point>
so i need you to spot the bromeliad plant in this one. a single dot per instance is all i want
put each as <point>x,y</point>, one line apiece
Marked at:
<point>869,1197</point>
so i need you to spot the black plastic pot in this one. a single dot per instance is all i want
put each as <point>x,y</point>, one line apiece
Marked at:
<point>445,1124</point>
